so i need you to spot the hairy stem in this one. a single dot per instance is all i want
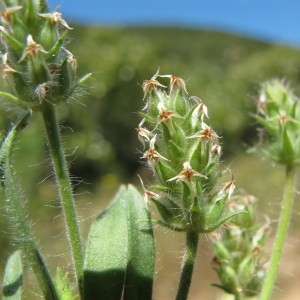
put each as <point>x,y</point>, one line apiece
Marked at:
<point>64,186</point>
<point>192,239</point>
<point>16,212</point>
<point>282,229</point>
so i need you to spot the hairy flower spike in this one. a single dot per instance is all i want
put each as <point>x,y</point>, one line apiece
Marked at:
<point>185,163</point>
<point>278,112</point>
<point>35,61</point>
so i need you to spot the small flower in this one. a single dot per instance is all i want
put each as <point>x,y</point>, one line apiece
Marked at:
<point>165,115</point>
<point>41,91</point>
<point>148,194</point>
<point>71,60</point>
<point>201,108</point>
<point>262,104</point>
<point>32,48</point>
<point>5,67</point>
<point>216,148</point>
<point>206,134</point>
<point>151,155</point>
<point>186,174</point>
<point>175,83</point>
<point>56,17</point>
<point>283,118</point>
<point>150,84</point>
<point>228,187</point>
<point>5,14</point>
<point>143,133</point>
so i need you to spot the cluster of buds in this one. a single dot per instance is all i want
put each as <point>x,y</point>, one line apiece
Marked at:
<point>239,257</point>
<point>278,112</point>
<point>184,153</point>
<point>35,63</point>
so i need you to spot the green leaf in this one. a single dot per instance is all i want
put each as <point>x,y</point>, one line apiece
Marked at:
<point>120,250</point>
<point>107,252</point>
<point>13,277</point>
<point>141,259</point>
<point>13,99</point>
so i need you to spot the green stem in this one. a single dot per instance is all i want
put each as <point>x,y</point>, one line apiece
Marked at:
<point>16,213</point>
<point>192,239</point>
<point>282,229</point>
<point>64,186</point>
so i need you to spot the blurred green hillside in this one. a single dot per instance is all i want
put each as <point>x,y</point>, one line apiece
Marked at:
<point>223,69</point>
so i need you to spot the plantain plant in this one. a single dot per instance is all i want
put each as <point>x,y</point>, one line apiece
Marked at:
<point>191,192</point>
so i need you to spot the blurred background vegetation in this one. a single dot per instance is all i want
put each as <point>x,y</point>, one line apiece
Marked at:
<point>98,127</point>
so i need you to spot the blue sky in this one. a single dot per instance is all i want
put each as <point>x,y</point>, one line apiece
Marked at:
<point>271,20</point>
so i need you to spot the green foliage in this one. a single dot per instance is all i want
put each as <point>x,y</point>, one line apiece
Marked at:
<point>13,277</point>
<point>120,253</point>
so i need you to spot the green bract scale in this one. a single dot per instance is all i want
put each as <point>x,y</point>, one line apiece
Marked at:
<point>35,63</point>
<point>184,153</point>
<point>278,111</point>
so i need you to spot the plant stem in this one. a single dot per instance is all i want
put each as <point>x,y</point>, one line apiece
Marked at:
<point>192,239</point>
<point>64,186</point>
<point>16,213</point>
<point>282,229</point>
